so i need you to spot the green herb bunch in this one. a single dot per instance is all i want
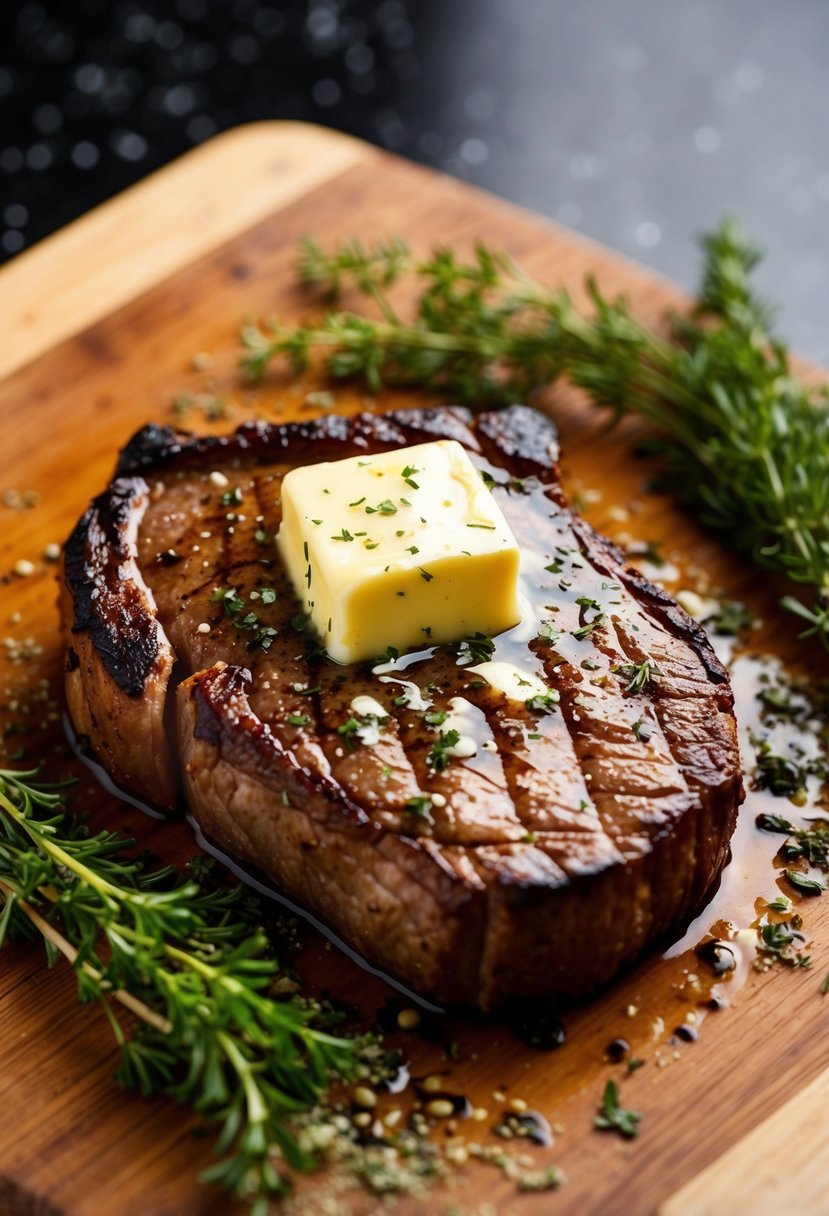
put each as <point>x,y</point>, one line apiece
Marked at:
<point>746,440</point>
<point>189,961</point>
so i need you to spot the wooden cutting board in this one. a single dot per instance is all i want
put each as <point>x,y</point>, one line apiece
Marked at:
<point>101,324</point>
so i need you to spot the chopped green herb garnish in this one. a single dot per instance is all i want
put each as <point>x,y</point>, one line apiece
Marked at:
<point>420,804</point>
<point>588,624</point>
<point>804,884</point>
<point>390,655</point>
<point>547,632</point>
<point>638,675</point>
<point>784,776</point>
<point>348,730</point>
<point>810,843</point>
<point>778,943</point>
<point>585,630</point>
<point>614,1118</point>
<point>476,649</point>
<point>234,608</point>
<point>438,756</point>
<point>774,823</point>
<point>730,619</point>
<point>298,720</point>
<point>550,1178</point>
<point>780,903</point>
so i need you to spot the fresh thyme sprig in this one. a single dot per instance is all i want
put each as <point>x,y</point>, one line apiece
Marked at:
<point>190,962</point>
<point>747,441</point>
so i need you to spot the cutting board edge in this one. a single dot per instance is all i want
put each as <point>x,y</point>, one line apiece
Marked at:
<point>175,215</point>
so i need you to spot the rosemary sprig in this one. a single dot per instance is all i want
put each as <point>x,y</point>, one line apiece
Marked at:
<point>747,442</point>
<point>188,959</point>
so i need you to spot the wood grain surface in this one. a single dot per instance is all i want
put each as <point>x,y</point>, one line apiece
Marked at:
<point>101,325</point>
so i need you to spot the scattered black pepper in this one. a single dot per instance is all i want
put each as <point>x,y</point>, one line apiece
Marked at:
<point>717,955</point>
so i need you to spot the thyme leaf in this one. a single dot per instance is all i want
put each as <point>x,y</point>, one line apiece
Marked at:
<point>615,1118</point>
<point>440,751</point>
<point>637,675</point>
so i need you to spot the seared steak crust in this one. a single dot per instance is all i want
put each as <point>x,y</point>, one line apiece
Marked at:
<point>581,830</point>
<point>119,661</point>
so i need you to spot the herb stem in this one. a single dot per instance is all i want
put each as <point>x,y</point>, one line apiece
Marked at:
<point>51,934</point>
<point>40,836</point>
<point>394,333</point>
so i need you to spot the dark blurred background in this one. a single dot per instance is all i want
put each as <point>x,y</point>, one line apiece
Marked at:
<point>638,123</point>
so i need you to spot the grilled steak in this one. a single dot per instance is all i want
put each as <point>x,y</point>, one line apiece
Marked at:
<point>587,825</point>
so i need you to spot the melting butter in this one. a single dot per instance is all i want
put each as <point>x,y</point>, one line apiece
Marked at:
<point>461,717</point>
<point>512,681</point>
<point>367,707</point>
<point>414,698</point>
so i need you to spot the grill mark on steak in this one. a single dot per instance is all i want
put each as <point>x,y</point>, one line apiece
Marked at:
<point>520,838</point>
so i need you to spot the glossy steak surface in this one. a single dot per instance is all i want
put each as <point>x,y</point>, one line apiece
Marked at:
<point>587,824</point>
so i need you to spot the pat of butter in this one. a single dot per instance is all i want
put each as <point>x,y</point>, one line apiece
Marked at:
<point>405,549</point>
